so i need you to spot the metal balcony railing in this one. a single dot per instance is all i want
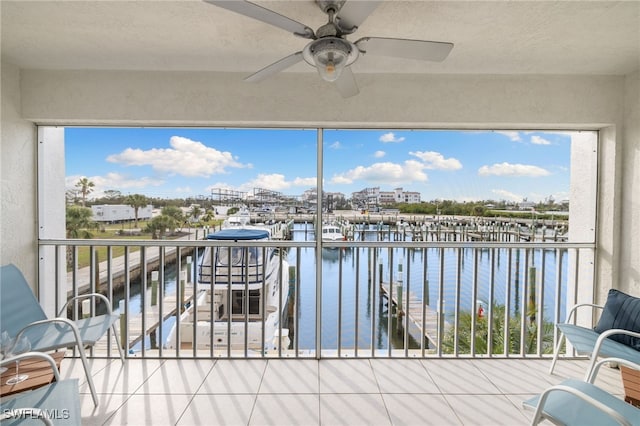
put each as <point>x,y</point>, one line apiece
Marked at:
<point>339,299</point>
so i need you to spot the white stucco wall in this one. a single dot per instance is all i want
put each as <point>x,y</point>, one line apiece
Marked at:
<point>18,216</point>
<point>183,98</point>
<point>629,264</point>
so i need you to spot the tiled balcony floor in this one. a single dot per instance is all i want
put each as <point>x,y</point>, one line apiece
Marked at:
<point>327,392</point>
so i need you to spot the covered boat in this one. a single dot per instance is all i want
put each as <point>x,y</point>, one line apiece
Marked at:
<point>242,299</point>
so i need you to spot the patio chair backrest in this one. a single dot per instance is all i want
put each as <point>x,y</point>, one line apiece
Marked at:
<point>18,305</point>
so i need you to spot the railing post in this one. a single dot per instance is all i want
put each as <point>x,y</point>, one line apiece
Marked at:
<point>154,288</point>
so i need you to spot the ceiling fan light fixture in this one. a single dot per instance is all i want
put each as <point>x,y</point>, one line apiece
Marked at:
<point>330,55</point>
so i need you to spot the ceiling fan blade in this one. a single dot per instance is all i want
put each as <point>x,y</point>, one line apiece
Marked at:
<point>260,13</point>
<point>402,48</point>
<point>353,13</point>
<point>275,68</point>
<point>346,84</point>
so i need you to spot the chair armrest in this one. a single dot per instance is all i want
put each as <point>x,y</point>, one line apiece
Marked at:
<point>586,398</point>
<point>592,378</point>
<point>41,355</point>
<point>581,305</point>
<point>65,321</point>
<point>86,296</point>
<point>26,413</point>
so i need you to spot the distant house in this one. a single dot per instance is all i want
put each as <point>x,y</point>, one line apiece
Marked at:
<point>119,212</point>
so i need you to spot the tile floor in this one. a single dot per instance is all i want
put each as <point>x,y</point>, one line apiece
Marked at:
<point>327,392</point>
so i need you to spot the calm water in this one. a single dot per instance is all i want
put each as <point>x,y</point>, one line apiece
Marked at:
<point>352,265</point>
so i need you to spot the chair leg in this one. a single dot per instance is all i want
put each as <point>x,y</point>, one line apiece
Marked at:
<point>115,337</point>
<point>556,353</point>
<point>87,372</point>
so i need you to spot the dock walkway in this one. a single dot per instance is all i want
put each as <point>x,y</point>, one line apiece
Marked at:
<point>428,328</point>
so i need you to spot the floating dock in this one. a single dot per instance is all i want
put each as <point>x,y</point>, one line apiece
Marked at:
<point>427,328</point>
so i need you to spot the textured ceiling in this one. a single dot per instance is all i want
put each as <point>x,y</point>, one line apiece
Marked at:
<point>503,37</point>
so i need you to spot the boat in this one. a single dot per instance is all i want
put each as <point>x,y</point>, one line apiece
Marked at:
<point>332,233</point>
<point>242,296</point>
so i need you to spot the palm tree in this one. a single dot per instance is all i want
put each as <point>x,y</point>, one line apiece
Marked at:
<point>159,225</point>
<point>195,212</point>
<point>136,201</point>
<point>78,222</point>
<point>86,187</point>
<point>498,334</point>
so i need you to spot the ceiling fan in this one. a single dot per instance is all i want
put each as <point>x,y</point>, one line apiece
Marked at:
<point>330,51</point>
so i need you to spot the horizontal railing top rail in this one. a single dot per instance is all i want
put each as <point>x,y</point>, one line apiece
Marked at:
<point>337,244</point>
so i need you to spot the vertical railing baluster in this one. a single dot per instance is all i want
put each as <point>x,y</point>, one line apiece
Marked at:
<point>280,294</point>
<point>540,305</point>
<point>212,289</point>
<point>405,318</point>
<point>357,301</point>
<point>143,298</point>
<point>245,299</point>
<point>507,307</point>
<point>524,303</point>
<point>373,289</point>
<point>161,281</point>
<point>110,295</point>
<point>390,303</point>
<point>474,302</point>
<point>296,298</point>
<point>339,302</point>
<point>558,296</point>
<point>127,296</point>
<point>229,301</point>
<point>441,313</point>
<point>491,302</point>
<point>456,308</point>
<point>425,302</point>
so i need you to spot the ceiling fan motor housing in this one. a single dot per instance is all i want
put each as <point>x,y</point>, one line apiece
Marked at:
<point>327,5</point>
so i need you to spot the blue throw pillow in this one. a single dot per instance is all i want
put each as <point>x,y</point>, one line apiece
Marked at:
<point>621,311</point>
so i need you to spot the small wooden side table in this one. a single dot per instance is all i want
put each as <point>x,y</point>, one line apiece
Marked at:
<point>631,383</point>
<point>39,372</point>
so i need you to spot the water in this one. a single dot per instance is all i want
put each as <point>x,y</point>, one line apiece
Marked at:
<point>340,319</point>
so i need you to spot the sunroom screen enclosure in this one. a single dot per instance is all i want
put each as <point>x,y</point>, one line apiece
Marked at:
<point>423,270</point>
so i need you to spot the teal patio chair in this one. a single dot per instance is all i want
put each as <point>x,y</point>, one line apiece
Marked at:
<point>616,335</point>
<point>22,315</point>
<point>59,401</point>
<point>581,403</point>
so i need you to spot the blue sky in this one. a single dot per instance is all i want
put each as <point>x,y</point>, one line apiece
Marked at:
<point>190,162</point>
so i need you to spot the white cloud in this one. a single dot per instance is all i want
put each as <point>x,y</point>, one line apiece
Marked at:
<point>386,172</point>
<point>379,154</point>
<point>436,161</point>
<point>184,190</point>
<point>113,181</point>
<point>506,195</point>
<point>538,140</point>
<point>335,145</point>
<point>507,169</point>
<point>512,135</point>
<point>390,137</point>
<point>185,157</point>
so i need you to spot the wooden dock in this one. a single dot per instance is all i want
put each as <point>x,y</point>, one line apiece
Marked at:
<point>151,320</point>
<point>429,328</point>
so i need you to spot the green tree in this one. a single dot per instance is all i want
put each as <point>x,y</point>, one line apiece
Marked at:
<point>112,195</point>
<point>136,201</point>
<point>174,212</point>
<point>195,212</point>
<point>86,187</point>
<point>158,226</point>
<point>498,334</point>
<point>79,222</point>
<point>209,215</point>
